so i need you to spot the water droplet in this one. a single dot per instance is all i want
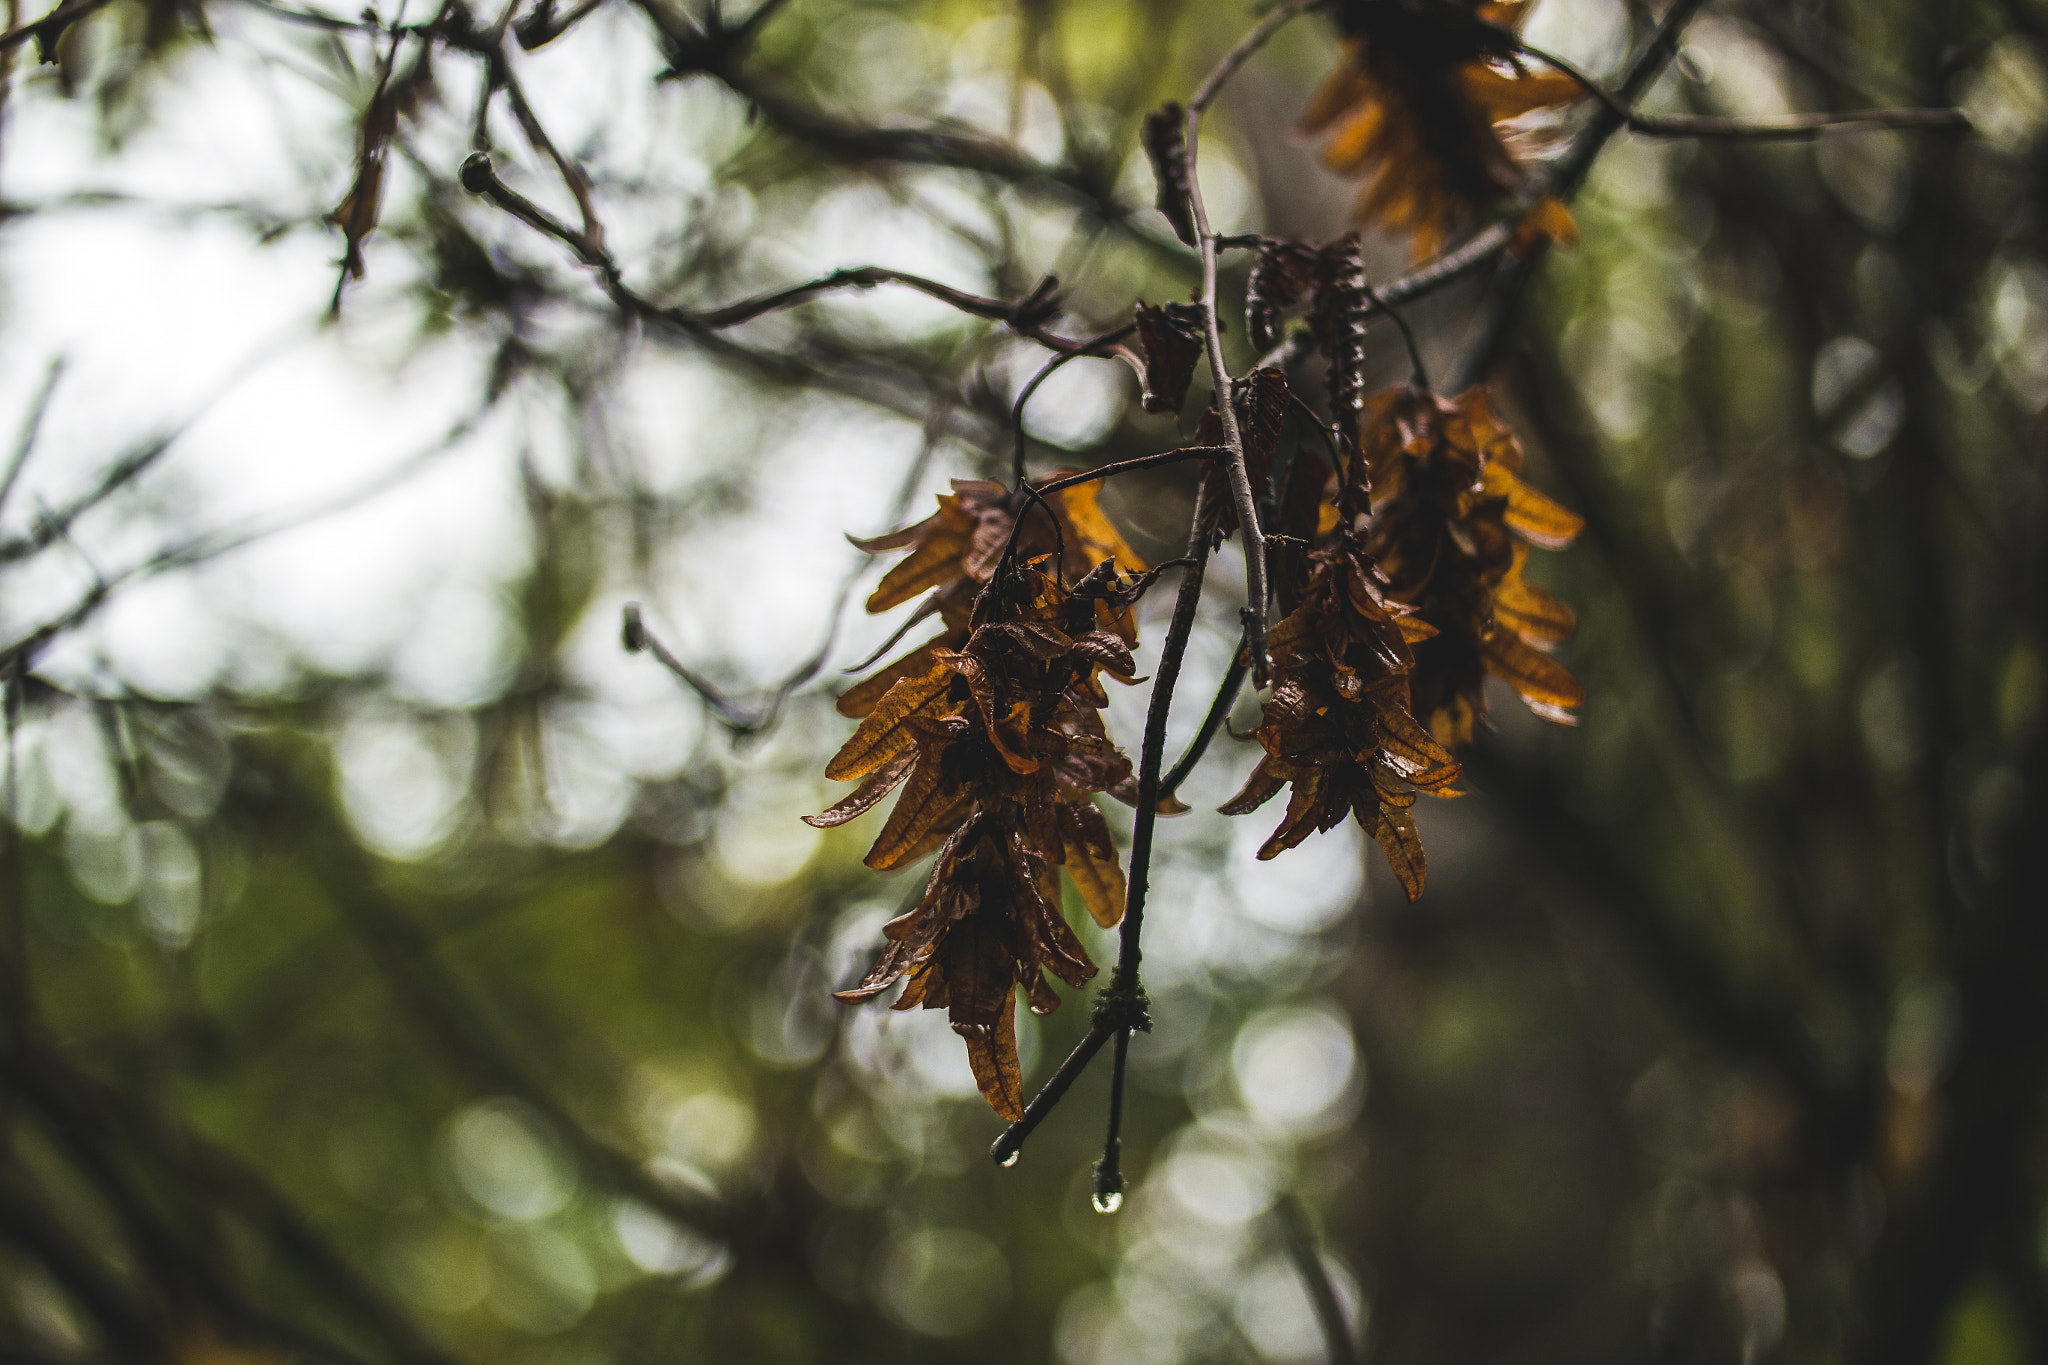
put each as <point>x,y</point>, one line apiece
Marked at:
<point>1109,1202</point>
<point>1011,1159</point>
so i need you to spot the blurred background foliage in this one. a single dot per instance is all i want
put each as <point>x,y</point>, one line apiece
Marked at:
<point>396,970</point>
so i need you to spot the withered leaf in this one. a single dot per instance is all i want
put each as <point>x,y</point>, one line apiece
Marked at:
<point>1532,673</point>
<point>883,735</point>
<point>879,784</point>
<point>981,986</point>
<point>1171,336</point>
<point>1164,134</point>
<point>992,1053</point>
<point>1092,863</point>
<point>860,699</point>
<point>1262,786</point>
<point>1280,280</point>
<point>1402,843</point>
<point>929,804</point>
<point>1536,517</point>
<point>1412,108</point>
<point>935,560</point>
<point>1528,610</point>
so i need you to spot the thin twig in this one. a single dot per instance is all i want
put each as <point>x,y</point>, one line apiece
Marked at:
<point>31,427</point>
<point>1024,395</point>
<point>1105,471</point>
<point>1219,372</point>
<point>745,720</point>
<point>1120,1005</point>
<point>1212,723</point>
<point>1563,180</point>
<point>1407,335</point>
<point>1219,75</point>
<point>1109,1173</point>
<point>1770,127</point>
<point>1006,1148</point>
<point>573,175</point>
<point>52,25</point>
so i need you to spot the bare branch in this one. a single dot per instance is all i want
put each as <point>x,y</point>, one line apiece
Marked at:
<point>1769,128</point>
<point>1298,1238</point>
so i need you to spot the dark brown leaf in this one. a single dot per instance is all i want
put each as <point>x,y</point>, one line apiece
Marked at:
<point>1402,843</point>
<point>1171,336</point>
<point>1280,280</point>
<point>1164,134</point>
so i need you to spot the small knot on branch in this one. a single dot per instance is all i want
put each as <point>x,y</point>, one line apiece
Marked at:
<point>1038,307</point>
<point>1122,1006</point>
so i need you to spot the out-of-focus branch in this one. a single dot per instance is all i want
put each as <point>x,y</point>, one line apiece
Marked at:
<point>1774,127</point>
<point>31,427</point>
<point>85,1114</point>
<point>445,1013</point>
<point>1298,1239</point>
<point>48,29</point>
<point>1026,316</point>
<point>1212,723</point>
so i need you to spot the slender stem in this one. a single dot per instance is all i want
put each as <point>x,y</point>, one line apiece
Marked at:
<point>1219,711</point>
<point>1089,347</point>
<point>572,174</point>
<point>1241,492</point>
<point>1407,335</point>
<point>31,427</point>
<point>1164,457</point>
<point>1152,752</point>
<point>1226,411</point>
<point>1219,76</point>
<point>1563,180</point>
<point>1011,1142</point>
<point>1109,1173</point>
<point>52,24</point>
<point>1773,127</point>
<point>1174,650</point>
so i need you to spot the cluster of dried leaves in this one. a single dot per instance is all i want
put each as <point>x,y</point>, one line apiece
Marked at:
<point>994,731</point>
<point>1415,107</point>
<point>1398,562</point>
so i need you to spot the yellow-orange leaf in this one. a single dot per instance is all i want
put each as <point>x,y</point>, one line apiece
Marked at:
<point>1528,610</point>
<point>1402,843</point>
<point>1549,524</point>
<point>1092,862</point>
<point>1532,673</point>
<point>883,735</point>
<point>936,560</point>
<point>859,699</point>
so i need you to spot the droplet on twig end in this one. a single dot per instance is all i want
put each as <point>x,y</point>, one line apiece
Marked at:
<point>632,632</point>
<point>1109,1178</point>
<point>1008,1161</point>
<point>476,173</point>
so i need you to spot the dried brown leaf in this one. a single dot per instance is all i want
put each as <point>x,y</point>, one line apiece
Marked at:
<point>870,793</point>
<point>885,733</point>
<point>1092,863</point>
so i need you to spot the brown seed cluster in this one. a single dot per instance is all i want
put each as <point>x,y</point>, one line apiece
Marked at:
<point>1413,108</point>
<point>994,733</point>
